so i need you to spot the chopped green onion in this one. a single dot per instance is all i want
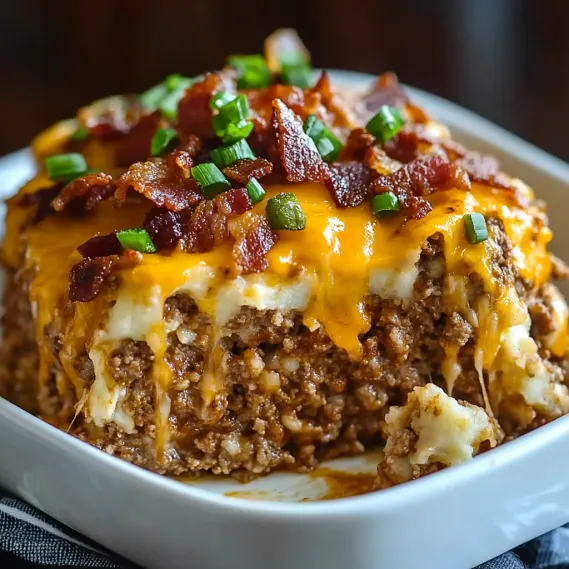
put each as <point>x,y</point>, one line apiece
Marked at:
<point>297,74</point>
<point>226,155</point>
<point>169,104</point>
<point>235,132</point>
<point>235,110</point>
<point>328,148</point>
<point>220,99</point>
<point>293,57</point>
<point>65,167</point>
<point>384,204</point>
<point>211,179</point>
<point>91,171</point>
<point>476,228</point>
<point>166,95</point>
<point>252,71</point>
<point>80,134</point>
<point>285,212</point>
<point>153,97</point>
<point>314,127</point>
<point>327,144</point>
<point>255,191</point>
<point>230,124</point>
<point>175,82</point>
<point>136,240</point>
<point>386,123</point>
<point>161,140</point>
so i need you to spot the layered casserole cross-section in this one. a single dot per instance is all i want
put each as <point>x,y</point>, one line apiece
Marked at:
<point>249,270</point>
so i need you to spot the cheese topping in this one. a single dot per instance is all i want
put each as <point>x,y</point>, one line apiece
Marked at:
<point>326,271</point>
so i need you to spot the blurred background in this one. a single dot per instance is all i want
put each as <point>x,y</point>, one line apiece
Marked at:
<point>504,59</point>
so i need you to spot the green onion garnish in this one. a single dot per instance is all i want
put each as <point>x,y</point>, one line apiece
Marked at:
<point>176,82</point>
<point>211,179</point>
<point>314,127</point>
<point>80,134</point>
<point>235,132</point>
<point>384,204</point>
<point>386,123</point>
<point>285,212</point>
<point>169,104</point>
<point>299,74</point>
<point>220,99</point>
<point>230,123</point>
<point>235,110</point>
<point>166,95</point>
<point>255,191</point>
<point>327,144</point>
<point>327,149</point>
<point>161,140</point>
<point>476,228</point>
<point>65,167</point>
<point>226,155</point>
<point>252,71</point>
<point>151,99</point>
<point>136,240</point>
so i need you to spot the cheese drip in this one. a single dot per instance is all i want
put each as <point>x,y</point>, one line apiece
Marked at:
<point>326,271</point>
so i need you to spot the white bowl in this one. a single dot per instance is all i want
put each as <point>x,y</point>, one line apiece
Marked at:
<point>454,519</point>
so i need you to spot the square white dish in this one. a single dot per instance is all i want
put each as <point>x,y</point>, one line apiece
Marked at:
<point>454,519</point>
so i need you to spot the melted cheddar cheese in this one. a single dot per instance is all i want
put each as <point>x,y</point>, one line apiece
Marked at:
<point>326,271</point>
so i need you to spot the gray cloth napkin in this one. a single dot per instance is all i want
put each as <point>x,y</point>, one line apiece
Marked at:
<point>30,539</point>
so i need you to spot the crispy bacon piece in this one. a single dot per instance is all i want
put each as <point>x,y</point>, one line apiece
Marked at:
<point>134,146</point>
<point>110,117</point>
<point>88,277</point>
<point>206,228</point>
<point>349,183</point>
<point>165,227</point>
<point>233,202</point>
<point>484,169</point>
<point>418,179</point>
<point>85,192</point>
<point>297,153</point>
<point>165,182</point>
<point>42,199</point>
<point>336,109</point>
<point>254,238</point>
<point>242,171</point>
<point>302,103</point>
<point>101,246</point>
<point>385,91</point>
<point>194,113</point>
<point>358,142</point>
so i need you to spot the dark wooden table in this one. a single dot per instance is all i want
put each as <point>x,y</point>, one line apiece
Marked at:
<point>504,59</point>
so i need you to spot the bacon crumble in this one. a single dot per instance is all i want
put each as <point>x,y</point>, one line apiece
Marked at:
<point>101,246</point>
<point>298,155</point>
<point>242,171</point>
<point>348,183</point>
<point>413,164</point>
<point>484,169</point>
<point>88,277</point>
<point>385,91</point>
<point>420,178</point>
<point>85,192</point>
<point>42,199</point>
<point>254,238</point>
<point>165,182</point>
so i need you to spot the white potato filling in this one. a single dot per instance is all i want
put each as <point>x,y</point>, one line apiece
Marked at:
<point>434,428</point>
